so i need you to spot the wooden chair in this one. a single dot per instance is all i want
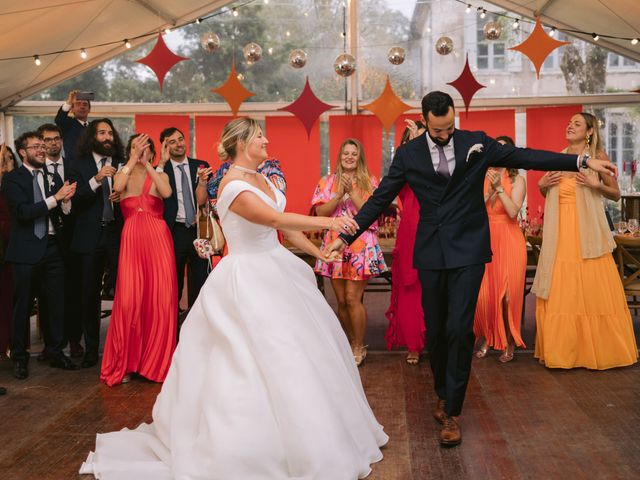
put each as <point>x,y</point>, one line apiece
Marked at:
<point>627,255</point>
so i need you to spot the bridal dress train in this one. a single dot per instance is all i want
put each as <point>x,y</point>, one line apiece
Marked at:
<point>262,385</point>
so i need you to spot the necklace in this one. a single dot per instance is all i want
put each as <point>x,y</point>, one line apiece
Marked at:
<point>245,170</point>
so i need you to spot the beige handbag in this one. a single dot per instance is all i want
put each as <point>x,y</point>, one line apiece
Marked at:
<point>210,239</point>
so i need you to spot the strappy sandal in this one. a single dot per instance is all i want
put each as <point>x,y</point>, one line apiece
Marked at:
<point>482,351</point>
<point>359,354</point>
<point>507,355</point>
<point>413,358</point>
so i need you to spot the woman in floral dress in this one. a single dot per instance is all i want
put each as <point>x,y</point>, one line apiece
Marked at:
<point>343,193</point>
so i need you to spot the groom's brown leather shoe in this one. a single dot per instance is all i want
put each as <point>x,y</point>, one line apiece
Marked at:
<point>451,434</point>
<point>438,412</point>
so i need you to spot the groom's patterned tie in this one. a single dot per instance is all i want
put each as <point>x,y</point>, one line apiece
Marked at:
<point>443,166</point>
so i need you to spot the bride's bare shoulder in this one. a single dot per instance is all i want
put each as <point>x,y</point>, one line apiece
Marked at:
<point>229,177</point>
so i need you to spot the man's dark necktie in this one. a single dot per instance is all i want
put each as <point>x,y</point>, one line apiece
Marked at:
<point>107,208</point>
<point>443,166</point>
<point>40,223</point>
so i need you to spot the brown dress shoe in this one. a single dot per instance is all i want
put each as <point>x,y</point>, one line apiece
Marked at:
<point>451,434</point>
<point>438,412</point>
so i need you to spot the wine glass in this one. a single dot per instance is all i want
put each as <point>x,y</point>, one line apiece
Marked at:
<point>632,226</point>
<point>622,228</point>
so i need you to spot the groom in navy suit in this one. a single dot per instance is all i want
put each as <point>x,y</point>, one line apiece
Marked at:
<point>446,168</point>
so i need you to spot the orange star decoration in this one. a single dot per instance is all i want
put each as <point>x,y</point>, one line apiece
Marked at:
<point>388,106</point>
<point>233,91</point>
<point>467,85</point>
<point>538,46</point>
<point>161,60</point>
<point>307,107</point>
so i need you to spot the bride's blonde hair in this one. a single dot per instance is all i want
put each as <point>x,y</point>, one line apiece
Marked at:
<point>242,129</point>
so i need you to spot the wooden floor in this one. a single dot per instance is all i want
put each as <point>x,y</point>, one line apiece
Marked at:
<point>521,421</point>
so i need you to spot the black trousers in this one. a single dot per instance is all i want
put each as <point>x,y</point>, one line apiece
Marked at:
<point>91,268</point>
<point>186,255</point>
<point>45,279</point>
<point>449,300</point>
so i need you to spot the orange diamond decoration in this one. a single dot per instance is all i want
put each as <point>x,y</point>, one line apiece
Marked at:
<point>388,106</point>
<point>538,46</point>
<point>161,60</point>
<point>233,91</point>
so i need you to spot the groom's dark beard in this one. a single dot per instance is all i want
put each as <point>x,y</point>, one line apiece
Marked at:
<point>439,142</point>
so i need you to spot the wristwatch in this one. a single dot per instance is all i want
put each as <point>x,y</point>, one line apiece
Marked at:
<point>583,161</point>
<point>500,189</point>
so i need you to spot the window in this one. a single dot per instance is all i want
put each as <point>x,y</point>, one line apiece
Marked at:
<point>618,61</point>
<point>491,53</point>
<point>621,141</point>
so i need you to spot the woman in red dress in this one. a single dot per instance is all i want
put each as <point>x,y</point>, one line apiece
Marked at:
<point>142,332</point>
<point>406,320</point>
<point>7,163</point>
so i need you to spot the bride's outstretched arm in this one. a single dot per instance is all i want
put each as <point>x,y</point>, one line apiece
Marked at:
<point>249,206</point>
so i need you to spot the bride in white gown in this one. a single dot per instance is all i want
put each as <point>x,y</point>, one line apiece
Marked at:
<point>263,384</point>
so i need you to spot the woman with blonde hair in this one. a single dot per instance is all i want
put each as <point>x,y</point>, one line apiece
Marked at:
<point>499,309</point>
<point>262,384</point>
<point>343,193</point>
<point>581,311</point>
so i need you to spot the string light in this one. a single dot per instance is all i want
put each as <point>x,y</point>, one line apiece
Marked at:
<point>36,60</point>
<point>552,32</point>
<point>266,2</point>
<point>198,21</point>
<point>595,36</point>
<point>127,43</point>
<point>468,9</point>
<point>516,24</point>
<point>234,12</point>
<point>83,54</point>
<point>167,30</point>
<point>635,41</point>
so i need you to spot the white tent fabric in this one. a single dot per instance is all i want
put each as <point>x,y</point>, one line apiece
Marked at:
<point>31,27</point>
<point>620,18</point>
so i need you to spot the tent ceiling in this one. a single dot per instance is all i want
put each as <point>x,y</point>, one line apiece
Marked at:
<point>605,17</point>
<point>39,26</point>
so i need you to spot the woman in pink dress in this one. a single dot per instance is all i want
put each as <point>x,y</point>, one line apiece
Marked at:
<point>406,319</point>
<point>142,332</point>
<point>339,194</point>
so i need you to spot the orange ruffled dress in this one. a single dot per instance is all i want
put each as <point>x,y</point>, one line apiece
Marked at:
<point>585,322</point>
<point>503,277</point>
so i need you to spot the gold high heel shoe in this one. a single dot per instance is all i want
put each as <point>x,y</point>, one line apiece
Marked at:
<point>359,354</point>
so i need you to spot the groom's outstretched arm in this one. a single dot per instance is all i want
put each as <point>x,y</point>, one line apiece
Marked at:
<point>381,198</point>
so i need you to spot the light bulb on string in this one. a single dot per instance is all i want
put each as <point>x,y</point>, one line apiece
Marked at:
<point>468,9</point>
<point>516,24</point>
<point>266,2</point>
<point>234,12</point>
<point>127,43</point>
<point>198,21</point>
<point>595,37</point>
<point>552,32</point>
<point>36,60</point>
<point>83,54</point>
<point>635,41</point>
<point>167,30</point>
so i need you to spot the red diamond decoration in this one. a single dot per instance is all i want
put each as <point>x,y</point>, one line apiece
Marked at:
<point>466,84</point>
<point>538,46</point>
<point>161,60</point>
<point>233,91</point>
<point>388,106</point>
<point>307,107</point>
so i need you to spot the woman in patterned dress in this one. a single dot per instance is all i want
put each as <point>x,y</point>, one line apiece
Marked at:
<point>343,193</point>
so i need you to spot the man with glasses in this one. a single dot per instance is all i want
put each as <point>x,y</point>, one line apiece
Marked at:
<point>72,118</point>
<point>56,164</point>
<point>37,200</point>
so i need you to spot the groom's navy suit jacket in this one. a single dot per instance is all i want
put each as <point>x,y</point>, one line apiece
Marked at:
<point>453,230</point>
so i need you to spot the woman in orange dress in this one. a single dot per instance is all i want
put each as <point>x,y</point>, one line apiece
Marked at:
<point>499,309</point>
<point>582,316</point>
<point>142,332</point>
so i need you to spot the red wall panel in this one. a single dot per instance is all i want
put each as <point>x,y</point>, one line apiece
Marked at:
<point>493,122</point>
<point>299,157</point>
<point>208,130</point>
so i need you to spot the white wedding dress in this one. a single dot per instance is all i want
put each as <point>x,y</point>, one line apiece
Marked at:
<point>262,385</point>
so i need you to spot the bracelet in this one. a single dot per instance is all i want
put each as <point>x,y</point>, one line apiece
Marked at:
<point>125,170</point>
